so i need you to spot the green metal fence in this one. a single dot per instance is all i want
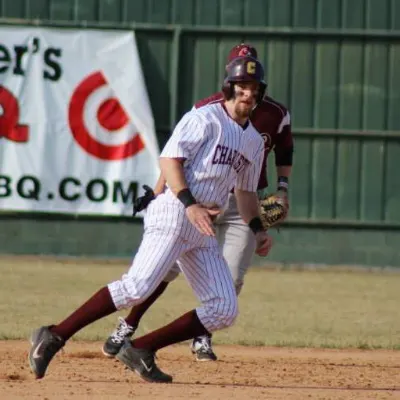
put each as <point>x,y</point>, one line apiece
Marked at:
<point>334,63</point>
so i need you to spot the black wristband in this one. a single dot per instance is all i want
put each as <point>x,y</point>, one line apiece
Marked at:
<point>283,183</point>
<point>256,225</point>
<point>186,198</point>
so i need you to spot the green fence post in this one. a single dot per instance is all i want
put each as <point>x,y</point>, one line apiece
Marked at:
<point>174,75</point>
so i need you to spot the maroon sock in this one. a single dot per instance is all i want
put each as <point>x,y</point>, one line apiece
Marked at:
<point>137,312</point>
<point>186,327</point>
<point>98,306</point>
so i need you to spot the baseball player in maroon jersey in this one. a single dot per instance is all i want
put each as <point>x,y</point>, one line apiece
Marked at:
<point>213,149</point>
<point>272,121</point>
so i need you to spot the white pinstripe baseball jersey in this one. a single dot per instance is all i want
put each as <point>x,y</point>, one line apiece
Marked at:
<point>219,154</point>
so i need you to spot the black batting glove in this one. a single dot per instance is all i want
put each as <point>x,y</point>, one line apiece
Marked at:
<point>142,202</point>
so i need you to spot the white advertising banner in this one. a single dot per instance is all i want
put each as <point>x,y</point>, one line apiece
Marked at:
<point>77,133</point>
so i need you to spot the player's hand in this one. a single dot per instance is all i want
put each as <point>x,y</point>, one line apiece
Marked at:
<point>263,243</point>
<point>142,202</point>
<point>202,218</point>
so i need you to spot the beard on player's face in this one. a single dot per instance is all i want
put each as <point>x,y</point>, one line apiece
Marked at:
<point>244,105</point>
<point>245,97</point>
<point>243,110</point>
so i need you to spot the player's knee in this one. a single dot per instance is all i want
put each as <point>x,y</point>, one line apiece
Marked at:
<point>230,314</point>
<point>226,312</point>
<point>127,292</point>
<point>143,291</point>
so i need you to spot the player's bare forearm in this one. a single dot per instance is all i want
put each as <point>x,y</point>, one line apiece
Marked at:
<point>247,203</point>
<point>159,188</point>
<point>173,174</point>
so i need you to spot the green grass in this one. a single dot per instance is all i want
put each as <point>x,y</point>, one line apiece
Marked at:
<point>327,308</point>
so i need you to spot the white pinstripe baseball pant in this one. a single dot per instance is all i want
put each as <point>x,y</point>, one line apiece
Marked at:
<point>168,238</point>
<point>236,241</point>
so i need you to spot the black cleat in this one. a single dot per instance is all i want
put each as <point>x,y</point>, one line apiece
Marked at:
<point>45,345</point>
<point>142,362</point>
<point>202,348</point>
<point>115,341</point>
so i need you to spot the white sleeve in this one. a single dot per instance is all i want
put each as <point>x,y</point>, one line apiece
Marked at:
<point>285,121</point>
<point>249,176</point>
<point>186,138</point>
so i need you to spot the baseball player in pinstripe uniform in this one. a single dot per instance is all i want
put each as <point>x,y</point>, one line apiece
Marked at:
<point>212,149</point>
<point>272,120</point>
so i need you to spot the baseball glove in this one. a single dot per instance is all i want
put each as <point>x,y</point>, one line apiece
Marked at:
<point>272,210</point>
<point>142,202</point>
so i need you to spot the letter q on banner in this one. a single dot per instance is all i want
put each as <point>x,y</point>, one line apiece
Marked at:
<point>98,122</point>
<point>10,128</point>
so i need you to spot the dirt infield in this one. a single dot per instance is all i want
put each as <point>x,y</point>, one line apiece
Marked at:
<point>82,372</point>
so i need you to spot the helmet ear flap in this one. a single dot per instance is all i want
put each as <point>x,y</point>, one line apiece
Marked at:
<point>261,91</point>
<point>227,89</point>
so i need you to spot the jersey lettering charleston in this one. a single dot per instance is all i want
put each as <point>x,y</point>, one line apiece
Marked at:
<point>219,154</point>
<point>272,120</point>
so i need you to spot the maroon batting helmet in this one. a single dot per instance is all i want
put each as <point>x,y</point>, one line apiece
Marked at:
<point>244,69</point>
<point>242,50</point>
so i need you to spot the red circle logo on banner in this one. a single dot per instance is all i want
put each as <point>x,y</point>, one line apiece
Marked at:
<point>110,115</point>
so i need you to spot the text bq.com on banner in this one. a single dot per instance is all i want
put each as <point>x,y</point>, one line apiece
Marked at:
<point>77,133</point>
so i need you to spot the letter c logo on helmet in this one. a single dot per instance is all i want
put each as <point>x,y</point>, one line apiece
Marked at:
<point>244,69</point>
<point>251,67</point>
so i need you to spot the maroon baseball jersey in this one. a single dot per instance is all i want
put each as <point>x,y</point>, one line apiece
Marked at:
<point>272,121</point>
